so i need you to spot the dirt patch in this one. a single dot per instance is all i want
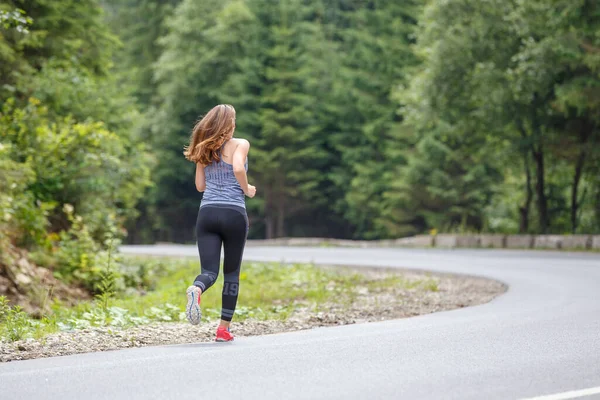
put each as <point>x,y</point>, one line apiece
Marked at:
<point>34,288</point>
<point>368,303</point>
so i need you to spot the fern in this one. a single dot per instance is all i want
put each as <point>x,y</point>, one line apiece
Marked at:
<point>107,284</point>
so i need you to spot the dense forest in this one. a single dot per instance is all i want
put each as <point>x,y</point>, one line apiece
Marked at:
<point>367,119</point>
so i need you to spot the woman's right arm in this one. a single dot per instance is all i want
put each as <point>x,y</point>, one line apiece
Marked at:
<point>239,168</point>
<point>200,178</point>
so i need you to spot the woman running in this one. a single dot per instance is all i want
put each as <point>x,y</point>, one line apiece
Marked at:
<point>221,166</point>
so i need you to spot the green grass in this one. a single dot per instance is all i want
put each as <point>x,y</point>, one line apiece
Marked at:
<point>268,291</point>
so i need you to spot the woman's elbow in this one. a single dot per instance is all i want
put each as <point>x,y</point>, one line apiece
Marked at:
<point>200,188</point>
<point>238,169</point>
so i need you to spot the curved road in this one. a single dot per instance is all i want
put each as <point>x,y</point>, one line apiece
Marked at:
<point>539,340</point>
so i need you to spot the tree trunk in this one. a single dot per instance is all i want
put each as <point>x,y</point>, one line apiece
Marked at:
<point>538,157</point>
<point>540,189</point>
<point>281,216</point>
<point>269,220</point>
<point>597,207</point>
<point>584,134</point>
<point>524,209</point>
<point>575,189</point>
<point>269,226</point>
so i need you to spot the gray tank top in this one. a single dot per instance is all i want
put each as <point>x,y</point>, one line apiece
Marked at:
<point>221,185</point>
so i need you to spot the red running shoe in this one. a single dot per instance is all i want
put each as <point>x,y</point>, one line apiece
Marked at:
<point>223,335</point>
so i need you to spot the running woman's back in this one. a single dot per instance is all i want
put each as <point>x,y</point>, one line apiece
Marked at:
<point>222,186</point>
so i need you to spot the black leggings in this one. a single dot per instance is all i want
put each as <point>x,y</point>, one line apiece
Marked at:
<point>228,226</point>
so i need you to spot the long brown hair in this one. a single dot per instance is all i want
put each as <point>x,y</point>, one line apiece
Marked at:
<point>209,134</point>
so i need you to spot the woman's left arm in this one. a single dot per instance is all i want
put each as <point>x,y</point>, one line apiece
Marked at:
<point>200,178</point>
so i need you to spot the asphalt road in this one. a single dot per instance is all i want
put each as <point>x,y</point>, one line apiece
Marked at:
<point>541,338</point>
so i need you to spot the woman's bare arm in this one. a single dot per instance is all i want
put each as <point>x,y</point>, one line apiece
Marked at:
<point>239,160</point>
<point>200,178</point>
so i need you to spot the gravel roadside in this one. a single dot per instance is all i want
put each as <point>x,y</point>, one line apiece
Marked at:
<point>366,305</point>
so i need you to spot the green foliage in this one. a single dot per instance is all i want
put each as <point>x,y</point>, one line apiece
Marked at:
<point>21,220</point>
<point>139,24</point>
<point>71,32</point>
<point>83,164</point>
<point>311,130</point>
<point>491,86</point>
<point>75,253</point>
<point>75,92</point>
<point>376,119</point>
<point>375,42</point>
<point>15,19</point>
<point>184,91</point>
<point>443,185</point>
<point>271,291</point>
<point>54,167</point>
<point>485,90</point>
<point>77,257</point>
<point>117,278</point>
<point>71,168</point>
<point>107,285</point>
<point>14,323</point>
<point>288,154</point>
<point>4,308</point>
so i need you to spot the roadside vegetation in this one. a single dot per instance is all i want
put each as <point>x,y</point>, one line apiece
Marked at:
<point>147,290</point>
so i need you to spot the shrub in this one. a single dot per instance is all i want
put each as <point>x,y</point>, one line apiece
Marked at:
<point>64,186</point>
<point>95,170</point>
<point>14,323</point>
<point>22,222</point>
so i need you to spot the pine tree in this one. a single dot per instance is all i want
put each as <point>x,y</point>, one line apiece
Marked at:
<point>202,49</point>
<point>289,153</point>
<point>139,24</point>
<point>69,32</point>
<point>375,41</point>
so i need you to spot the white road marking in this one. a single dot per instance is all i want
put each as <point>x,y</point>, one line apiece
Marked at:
<point>574,394</point>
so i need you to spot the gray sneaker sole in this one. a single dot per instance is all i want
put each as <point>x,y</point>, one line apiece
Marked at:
<point>192,310</point>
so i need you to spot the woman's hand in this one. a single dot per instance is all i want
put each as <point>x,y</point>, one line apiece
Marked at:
<point>251,191</point>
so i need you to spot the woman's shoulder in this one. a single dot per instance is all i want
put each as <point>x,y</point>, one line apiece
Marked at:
<point>240,142</point>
